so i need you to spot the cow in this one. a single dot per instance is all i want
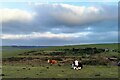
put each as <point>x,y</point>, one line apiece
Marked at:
<point>52,61</point>
<point>119,63</point>
<point>77,65</point>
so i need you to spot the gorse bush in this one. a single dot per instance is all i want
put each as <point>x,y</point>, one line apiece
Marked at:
<point>84,51</point>
<point>94,62</point>
<point>14,59</point>
<point>56,58</point>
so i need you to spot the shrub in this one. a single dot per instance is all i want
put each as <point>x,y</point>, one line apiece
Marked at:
<point>56,58</point>
<point>29,58</point>
<point>94,62</point>
<point>14,59</point>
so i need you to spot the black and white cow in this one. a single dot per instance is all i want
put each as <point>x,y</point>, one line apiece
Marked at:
<point>119,63</point>
<point>77,65</point>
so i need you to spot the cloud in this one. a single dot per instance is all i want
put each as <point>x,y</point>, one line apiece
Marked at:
<point>34,35</point>
<point>60,24</point>
<point>71,15</point>
<point>106,37</point>
<point>48,17</point>
<point>15,15</point>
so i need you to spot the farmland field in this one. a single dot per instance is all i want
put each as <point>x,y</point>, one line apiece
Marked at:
<point>32,62</point>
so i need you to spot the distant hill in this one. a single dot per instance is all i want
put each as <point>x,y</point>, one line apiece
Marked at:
<point>27,47</point>
<point>8,51</point>
<point>23,47</point>
<point>110,46</point>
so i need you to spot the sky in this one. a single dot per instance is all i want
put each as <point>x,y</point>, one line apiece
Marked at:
<point>58,23</point>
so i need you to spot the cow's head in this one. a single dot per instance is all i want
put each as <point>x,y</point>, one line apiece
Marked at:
<point>48,60</point>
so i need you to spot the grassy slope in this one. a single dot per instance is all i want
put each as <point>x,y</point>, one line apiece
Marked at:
<point>12,51</point>
<point>110,46</point>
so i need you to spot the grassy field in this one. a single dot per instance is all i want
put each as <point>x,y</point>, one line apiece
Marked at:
<point>59,72</point>
<point>20,69</point>
<point>12,51</point>
<point>110,46</point>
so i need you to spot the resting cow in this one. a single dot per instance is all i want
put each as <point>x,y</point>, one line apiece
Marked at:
<point>52,61</point>
<point>77,65</point>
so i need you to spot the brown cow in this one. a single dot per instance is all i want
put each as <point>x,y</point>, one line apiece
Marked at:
<point>52,61</point>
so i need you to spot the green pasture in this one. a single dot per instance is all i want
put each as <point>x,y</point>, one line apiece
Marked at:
<point>22,70</point>
<point>56,71</point>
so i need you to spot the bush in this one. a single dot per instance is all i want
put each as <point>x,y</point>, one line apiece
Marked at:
<point>56,58</point>
<point>14,59</point>
<point>94,62</point>
<point>29,58</point>
<point>57,53</point>
<point>37,53</point>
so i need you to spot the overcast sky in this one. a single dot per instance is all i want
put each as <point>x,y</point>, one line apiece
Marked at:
<point>59,23</point>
